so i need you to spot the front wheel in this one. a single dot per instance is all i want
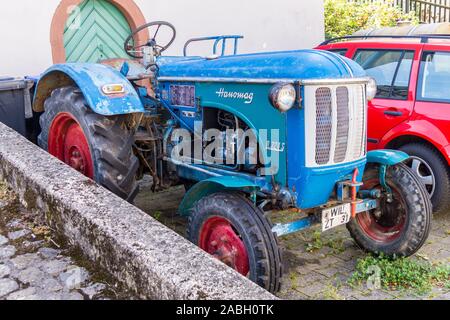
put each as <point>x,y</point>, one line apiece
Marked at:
<point>399,226</point>
<point>229,227</point>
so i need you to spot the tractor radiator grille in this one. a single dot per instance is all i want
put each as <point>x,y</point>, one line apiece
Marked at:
<point>335,123</point>
<point>323,125</point>
<point>343,124</point>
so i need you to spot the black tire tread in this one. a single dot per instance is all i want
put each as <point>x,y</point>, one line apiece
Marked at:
<point>115,164</point>
<point>258,229</point>
<point>420,212</point>
<point>441,196</point>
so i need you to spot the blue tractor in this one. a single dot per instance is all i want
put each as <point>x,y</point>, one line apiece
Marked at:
<point>297,120</point>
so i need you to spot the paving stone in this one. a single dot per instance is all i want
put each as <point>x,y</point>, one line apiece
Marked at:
<point>93,290</point>
<point>51,296</point>
<point>49,253</point>
<point>25,294</point>
<point>15,224</point>
<point>54,267</point>
<point>3,240</point>
<point>32,245</point>
<point>445,296</point>
<point>15,235</point>
<point>7,286</point>
<point>7,252</point>
<point>32,276</point>
<point>72,296</point>
<point>74,278</point>
<point>327,272</point>
<point>50,285</point>
<point>313,290</point>
<point>375,295</point>
<point>3,204</point>
<point>4,271</point>
<point>307,279</point>
<point>26,260</point>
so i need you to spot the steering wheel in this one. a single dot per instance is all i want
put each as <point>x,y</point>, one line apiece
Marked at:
<point>133,50</point>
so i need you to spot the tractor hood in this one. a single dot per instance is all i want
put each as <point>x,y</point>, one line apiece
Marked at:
<point>293,65</point>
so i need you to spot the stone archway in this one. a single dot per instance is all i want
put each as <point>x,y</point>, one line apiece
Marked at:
<point>128,8</point>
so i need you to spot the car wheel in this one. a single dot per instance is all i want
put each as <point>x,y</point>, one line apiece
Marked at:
<point>432,171</point>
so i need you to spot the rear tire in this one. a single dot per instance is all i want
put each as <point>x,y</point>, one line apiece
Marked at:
<point>427,163</point>
<point>401,227</point>
<point>106,145</point>
<point>230,227</point>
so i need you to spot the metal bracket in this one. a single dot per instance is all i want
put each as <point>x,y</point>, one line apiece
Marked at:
<point>382,177</point>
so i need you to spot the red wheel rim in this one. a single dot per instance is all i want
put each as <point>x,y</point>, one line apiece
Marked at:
<point>67,142</point>
<point>219,238</point>
<point>389,227</point>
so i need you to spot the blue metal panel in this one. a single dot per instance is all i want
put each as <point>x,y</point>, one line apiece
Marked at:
<point>386,157</point>
<point>258,114</point>
<point>213,185</point>
<point>90,78</point>
<point>300,64</point>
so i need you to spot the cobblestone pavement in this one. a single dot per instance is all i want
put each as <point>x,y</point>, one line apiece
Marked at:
<point>324,272</point>
<point>30,269</point>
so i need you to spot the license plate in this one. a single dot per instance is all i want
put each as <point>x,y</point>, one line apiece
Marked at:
<point>336,216</point>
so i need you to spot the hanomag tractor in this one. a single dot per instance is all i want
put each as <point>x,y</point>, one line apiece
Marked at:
<point>307,111</point>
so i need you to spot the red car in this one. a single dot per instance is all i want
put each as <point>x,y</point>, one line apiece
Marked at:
<point>411,109</point>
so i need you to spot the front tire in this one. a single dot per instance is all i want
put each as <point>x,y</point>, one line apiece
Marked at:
<point>397,228</point>
<point>97,146</point>
<point>231,228</point>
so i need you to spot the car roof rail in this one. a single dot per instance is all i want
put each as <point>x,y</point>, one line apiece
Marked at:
<point>423,37</point>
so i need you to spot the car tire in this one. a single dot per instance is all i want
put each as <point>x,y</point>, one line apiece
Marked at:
<point>431,166</point>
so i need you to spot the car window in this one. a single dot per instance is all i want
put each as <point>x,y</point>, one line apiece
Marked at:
<point>342,52</point>
<point>390,68</point>
<point>434,77</point>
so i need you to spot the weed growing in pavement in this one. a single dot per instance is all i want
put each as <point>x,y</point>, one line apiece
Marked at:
<point>401,274</point>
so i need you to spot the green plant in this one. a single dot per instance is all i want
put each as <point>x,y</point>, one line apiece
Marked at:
<point>316,243</point>
<point>345,18</point>
<point>157,215</point>
<point>401,273</point>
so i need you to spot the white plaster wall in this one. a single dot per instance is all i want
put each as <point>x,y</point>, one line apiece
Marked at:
<point>266,24</point>
<point>25,36</point>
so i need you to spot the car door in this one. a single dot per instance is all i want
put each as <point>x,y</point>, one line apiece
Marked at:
<point>433,93</point>
<point>393,70</point>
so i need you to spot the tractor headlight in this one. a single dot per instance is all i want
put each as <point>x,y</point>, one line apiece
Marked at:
<point>282,96</point>
<point>371,89</point>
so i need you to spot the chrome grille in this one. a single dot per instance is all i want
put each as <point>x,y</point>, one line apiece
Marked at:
<point>343,124</point>
<point>323,125</point>
<point>335,123</point>
<point>359,124</point>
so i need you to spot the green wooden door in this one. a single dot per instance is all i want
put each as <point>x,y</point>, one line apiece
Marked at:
<point>95,30</point>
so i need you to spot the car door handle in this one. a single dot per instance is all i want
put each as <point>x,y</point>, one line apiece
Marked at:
<point>393,113</point>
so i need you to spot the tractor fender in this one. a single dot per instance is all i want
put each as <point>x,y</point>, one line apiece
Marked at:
<point>386,157</point>
<point>213,185</point>
<point>90,78</point>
